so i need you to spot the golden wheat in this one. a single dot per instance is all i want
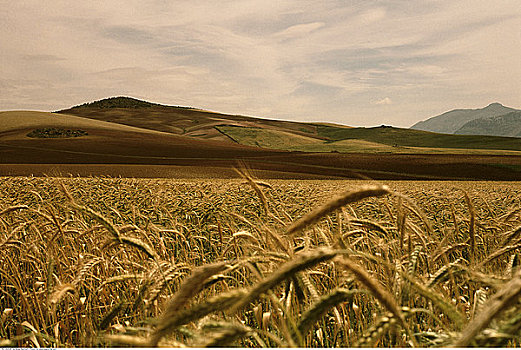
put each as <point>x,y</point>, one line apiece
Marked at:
<point>198,263</point>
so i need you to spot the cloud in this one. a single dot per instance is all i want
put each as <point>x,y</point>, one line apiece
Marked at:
<point>42,58</point>
<point>308,60</point>
<point>372,16</point>
<point>384,101</point>
<point>128,35</point>
<point>316,90</point>
<point>299,30</point>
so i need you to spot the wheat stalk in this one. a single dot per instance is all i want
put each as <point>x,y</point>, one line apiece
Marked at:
<point>472,228</point>
<point>506,297</point>
<point>374,287</point>
<point>13,208</point>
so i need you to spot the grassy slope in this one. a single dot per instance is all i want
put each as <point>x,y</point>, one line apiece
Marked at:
<point>267,138</point>
<point>417,138</point>
<point>382,140</point>
<point>17,120</point>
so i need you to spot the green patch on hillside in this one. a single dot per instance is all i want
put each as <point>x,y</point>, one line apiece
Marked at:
<point>397,137</point>
<point>276,139</point>
<point>53,133</point>
<point>266,138</point>
<point>383,139</point>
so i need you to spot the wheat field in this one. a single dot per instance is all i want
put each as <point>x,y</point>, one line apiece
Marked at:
<point>88,262</point>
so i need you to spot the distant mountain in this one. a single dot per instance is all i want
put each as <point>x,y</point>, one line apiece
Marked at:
<point>504,125</point>
<point>452,121</point>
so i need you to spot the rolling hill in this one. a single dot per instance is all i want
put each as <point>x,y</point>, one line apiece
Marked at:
<point>22,120</point>
<point>124,136</point>
<point>103,142</point>
<point>286,135</point>
<point>452,121</point>
<point>382,139</point>
<point>177,120</point>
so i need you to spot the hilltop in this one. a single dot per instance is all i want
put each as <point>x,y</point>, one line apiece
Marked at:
<point>117,102</point>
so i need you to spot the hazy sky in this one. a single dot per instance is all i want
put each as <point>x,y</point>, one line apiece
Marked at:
<point>356,62</point>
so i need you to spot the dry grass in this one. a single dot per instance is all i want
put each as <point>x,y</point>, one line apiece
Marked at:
<point>124,262</point>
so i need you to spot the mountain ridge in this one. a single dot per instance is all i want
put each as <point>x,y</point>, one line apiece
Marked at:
<point>451,121</point>
<point>508,125</point>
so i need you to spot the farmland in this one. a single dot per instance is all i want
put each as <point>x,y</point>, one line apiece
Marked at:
<point>142,262</point>
<point>132,138</point>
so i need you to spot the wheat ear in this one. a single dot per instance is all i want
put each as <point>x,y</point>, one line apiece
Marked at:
<point>226,336</point>
<point>99,218</point>
<point>499,252</point>
<point>139,244</point>
<point>322,306</point>
<point>190,287</point>
<point>348,197</point>
<point>375,332</point>
<point>438,300</point>
<point>286,271</point>
<point>110,315</point>
<point>60,292</point>
<point>244,173</point>
<point>217,303</point>
<point>137,342</point>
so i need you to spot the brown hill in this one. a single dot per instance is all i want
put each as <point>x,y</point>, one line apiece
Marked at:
<point>181,120</point>
<point>103,142</point>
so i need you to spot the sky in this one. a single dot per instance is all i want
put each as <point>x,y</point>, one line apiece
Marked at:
<point>355,62</point>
